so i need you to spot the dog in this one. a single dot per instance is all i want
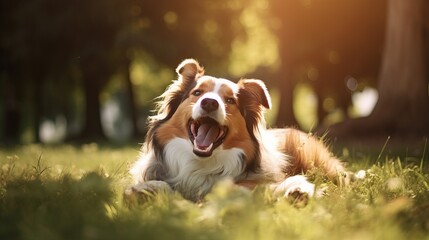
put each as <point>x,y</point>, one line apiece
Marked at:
<point>207,129</point>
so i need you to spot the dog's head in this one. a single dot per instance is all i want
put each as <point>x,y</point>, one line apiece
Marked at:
<point>213,113</point>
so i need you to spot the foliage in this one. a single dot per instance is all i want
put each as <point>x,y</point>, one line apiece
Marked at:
<point>59,57</point>
<point>76,193</point>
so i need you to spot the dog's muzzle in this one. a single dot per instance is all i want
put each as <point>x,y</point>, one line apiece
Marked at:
<point>206,134</point>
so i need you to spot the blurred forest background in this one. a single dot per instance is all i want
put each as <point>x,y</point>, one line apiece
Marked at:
<point>90,69</point>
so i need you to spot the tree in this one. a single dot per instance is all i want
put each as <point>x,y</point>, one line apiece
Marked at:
<point>42,40</point>
<point>322,43</point>
<point>403,105</point>
<point>24,43</point>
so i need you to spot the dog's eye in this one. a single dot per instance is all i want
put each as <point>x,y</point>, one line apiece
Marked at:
<point>196,93</point>
<point>230,100</point>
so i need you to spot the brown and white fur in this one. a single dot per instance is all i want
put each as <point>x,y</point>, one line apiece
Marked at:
<point>208,129</point>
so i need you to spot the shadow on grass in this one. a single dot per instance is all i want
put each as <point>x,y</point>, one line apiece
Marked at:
<point>35,207</point>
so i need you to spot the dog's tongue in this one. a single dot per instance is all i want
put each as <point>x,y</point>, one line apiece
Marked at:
<point>207,134</point>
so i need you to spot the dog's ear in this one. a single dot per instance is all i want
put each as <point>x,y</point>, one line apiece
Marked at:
<point>253,96</point>
<point>189,71</point>
<point>254,92</point>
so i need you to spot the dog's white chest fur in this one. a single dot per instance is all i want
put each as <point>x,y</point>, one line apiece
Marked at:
<point>192,175</point>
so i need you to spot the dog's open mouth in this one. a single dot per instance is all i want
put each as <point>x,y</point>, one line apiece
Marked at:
<point>206,134</point>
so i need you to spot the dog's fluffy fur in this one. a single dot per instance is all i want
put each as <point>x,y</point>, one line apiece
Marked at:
<point>207,129</point>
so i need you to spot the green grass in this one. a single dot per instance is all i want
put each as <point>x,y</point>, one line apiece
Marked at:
<point>75,192</point>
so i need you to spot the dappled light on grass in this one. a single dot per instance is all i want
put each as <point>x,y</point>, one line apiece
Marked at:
<point>73,192</point>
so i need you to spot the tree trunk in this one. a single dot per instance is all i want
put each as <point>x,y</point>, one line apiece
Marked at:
<point>286,115</point>
<point>93,79</point>
<point>286,85</point>
<point>403,105</point>
<point>38,82</point>
<point>11,97</point>
<point>131,98</point>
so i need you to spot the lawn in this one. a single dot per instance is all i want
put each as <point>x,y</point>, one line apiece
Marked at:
<point>75,192</point>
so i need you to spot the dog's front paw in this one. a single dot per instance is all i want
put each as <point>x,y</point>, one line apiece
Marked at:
<point>141,192</point>
<point>296,189</point>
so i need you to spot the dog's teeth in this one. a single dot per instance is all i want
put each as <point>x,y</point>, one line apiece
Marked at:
<point>221,132</point>
<point>193,129</point>
<point>210,147</point>
<point>207,149</point>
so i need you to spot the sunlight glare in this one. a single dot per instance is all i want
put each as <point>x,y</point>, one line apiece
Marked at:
<point>364,102</point>
<point>351,83</point>
<point>259,48</point>
<point>171,17</point>
<point>53,131</point>
<point>305,106</point>
<point>115,125</point>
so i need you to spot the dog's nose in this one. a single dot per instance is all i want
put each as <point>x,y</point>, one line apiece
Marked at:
<point>209,104</point>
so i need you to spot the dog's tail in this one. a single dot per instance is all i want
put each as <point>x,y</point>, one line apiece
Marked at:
<point>307,153</point>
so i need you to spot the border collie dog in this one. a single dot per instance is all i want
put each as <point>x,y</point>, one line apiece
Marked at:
<point>207,129</point>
